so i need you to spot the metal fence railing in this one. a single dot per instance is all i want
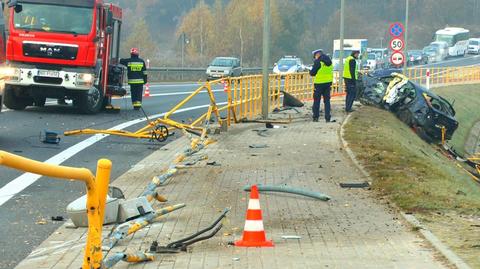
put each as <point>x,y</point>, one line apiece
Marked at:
<point>438,76</point>
<point>244,98</point>
<point>162,74</point>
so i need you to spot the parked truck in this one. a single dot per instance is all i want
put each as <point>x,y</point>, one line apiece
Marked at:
<point>63,49</point>
<point>349,45</point>
<point>2,55</point>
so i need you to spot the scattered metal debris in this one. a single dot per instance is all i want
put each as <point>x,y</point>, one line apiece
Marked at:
<point>355,185</point>
<point>50,137</point>
<point>127,257</point>
<point>133,226</point>
<point>58,218</point>
<point>288,237</point>
<point>271,121</point>
<point>291,101</point>
<point>261,132</point>
<point>292,190</point>
<point>182,244</point>
<point>258,146</point>
<point>41,222</point>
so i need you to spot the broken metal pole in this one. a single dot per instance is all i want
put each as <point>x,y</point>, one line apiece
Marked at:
<point>287,189</point>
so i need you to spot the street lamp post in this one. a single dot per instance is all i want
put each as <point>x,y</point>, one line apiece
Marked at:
<point>266,56</point>
<point>183,49</point>
<point>340,58</point>
<point>406,37</point>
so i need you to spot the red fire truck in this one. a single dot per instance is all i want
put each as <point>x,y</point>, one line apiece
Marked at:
<point>2,54</point>
<point>63,49</point>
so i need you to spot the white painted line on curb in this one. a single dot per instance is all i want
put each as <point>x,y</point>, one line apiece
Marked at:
<point>20,183</point>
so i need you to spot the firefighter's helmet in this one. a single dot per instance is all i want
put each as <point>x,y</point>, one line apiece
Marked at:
<point>134,51</point>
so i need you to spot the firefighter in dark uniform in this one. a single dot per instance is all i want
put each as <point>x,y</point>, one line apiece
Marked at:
<point>350,75</point>
<point>137,76</point>
<point>322,70</point>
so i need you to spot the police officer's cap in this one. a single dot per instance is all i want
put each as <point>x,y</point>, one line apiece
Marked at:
<point>317,51</point>
<point>355,51</point>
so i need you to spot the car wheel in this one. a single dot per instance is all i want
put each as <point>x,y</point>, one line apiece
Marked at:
<point>39,101</point>
<point>13,102</point>
<point>91,101</point>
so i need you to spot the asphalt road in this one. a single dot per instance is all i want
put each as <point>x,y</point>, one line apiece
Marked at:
<point>468,60</point>
<point>25,199</point>
<point>41,199</point>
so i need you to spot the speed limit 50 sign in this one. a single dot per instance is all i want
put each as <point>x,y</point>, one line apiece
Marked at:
<point>397,44</point>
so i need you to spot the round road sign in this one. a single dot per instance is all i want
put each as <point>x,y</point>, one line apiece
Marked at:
<point>396,29</point>
<point>396,44</point>
<point>397,58</point>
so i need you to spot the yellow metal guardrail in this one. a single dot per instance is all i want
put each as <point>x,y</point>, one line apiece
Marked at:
<point>244,99</point>
<point>436,76</point>
<point>97,188</point>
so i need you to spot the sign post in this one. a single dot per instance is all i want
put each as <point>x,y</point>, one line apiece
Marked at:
<point>397,44</point>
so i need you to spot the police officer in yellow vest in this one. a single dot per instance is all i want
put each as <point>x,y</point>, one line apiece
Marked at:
<point>322,70</point>
<point>350,75</point>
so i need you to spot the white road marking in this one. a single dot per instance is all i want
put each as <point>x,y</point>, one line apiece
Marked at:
<point>127,96</point>
<point>25,180</point>
<point>166,94</point>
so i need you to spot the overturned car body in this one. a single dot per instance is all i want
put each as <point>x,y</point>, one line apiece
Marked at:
<point>430,115</point>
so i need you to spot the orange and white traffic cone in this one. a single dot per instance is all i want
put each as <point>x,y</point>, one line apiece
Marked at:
<point>147,91</point>
<point>254,233</point>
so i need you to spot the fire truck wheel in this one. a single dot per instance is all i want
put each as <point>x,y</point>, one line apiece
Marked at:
<point>13,102</point>
<point>39,101</point>
<point>91,101</point>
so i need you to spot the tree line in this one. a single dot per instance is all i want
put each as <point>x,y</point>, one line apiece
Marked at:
<point>209,28</point>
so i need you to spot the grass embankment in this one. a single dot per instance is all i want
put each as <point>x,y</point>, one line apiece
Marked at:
<point>417,177</point>
<point>467,106</point>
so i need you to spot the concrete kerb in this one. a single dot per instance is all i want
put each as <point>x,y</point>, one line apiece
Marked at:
<point>436,243</point>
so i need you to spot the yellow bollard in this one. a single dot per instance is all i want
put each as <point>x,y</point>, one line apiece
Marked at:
<point>97,189</point>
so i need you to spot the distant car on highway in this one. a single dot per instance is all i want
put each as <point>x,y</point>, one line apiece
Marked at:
<point>224,67</point>
<point>416,57</point>
<point>289,65</point>
<point>372,62</point>
<point>382,56</point>
<point>442,49</point>
<point>432,54</point>
<point>474,46</point>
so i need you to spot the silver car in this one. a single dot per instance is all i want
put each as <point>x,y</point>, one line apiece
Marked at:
<point>224,67</point>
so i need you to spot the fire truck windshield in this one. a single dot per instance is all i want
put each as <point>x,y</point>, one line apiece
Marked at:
<point>54,18</point>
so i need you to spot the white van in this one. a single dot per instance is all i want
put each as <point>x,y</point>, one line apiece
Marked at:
<point>474,46</point>
<point>442,48</point>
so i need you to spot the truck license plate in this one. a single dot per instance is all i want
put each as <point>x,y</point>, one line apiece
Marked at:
<point>48,73</point>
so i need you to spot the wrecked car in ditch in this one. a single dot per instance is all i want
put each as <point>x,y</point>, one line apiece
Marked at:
<point>430,115</point>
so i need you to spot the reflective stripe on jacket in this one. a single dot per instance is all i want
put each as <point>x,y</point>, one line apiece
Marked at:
<point>347,73</point>
<point>136,70</point>
<point>324,74</point>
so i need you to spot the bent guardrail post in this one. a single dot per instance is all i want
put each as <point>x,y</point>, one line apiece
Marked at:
<point>97,188</point>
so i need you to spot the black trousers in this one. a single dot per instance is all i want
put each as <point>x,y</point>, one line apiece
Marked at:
<point>322,90</point>
<point>351,93</point>
<point>137,92</point>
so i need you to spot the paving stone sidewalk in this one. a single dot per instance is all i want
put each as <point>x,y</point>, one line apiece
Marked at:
<point>353,230</point>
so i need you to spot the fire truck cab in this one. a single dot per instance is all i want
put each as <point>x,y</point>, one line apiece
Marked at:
<point>63,49</point>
